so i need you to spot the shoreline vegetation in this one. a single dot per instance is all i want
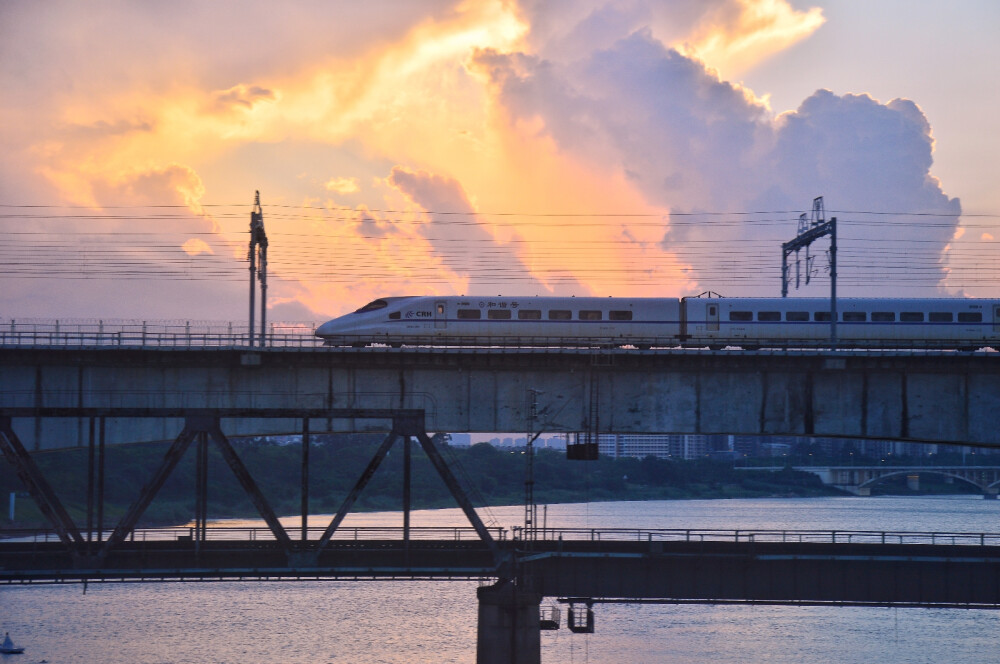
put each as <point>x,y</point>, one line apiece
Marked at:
<point>491,476</point>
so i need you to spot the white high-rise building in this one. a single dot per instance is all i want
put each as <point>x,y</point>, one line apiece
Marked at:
<point>681,446</point>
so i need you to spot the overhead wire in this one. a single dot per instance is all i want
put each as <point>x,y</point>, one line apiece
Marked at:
<point>94,254</point>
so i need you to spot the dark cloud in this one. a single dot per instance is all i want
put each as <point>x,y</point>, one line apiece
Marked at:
<point>244,96</point>
<point>370,226</point>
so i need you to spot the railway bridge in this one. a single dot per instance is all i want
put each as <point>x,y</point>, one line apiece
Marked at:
<point>92,395</point>
<point>919,396</point>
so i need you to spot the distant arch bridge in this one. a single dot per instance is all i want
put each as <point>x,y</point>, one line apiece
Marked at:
<point>860,479</point>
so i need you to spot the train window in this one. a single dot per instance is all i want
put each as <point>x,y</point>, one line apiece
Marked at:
<point>498,314</point>
<point>394,315</point>
<point>940,317</point>
<point>970,317</point>
<point>797,316</point>
<point>560,314</point>
<point>768,316</point>
<point>855,317</point>
<point>590,315</point>
<point>440,309</point>
<point>822,316</point>
<point>374,305</point>
<point>883,316</point>
<point>740,316</point>
<point>619,315</point>
<point>529,314</point>
<point>911,317</point>
<point>468,314</point>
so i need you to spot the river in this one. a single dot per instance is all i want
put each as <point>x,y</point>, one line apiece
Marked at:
<point>369,622</point>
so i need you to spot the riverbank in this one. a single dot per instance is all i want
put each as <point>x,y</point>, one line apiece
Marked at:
<point>492,476</point>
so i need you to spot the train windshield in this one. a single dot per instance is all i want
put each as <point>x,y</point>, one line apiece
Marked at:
<point>372,306</point>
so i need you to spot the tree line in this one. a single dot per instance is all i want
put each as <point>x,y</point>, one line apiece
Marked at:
<point>491,476</point>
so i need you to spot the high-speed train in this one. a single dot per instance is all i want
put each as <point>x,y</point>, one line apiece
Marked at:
<point>643,323</point>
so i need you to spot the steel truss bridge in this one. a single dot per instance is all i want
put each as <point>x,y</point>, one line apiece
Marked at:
<point>517,569</point>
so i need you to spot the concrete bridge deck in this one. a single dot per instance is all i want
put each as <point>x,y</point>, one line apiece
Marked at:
<point>891,395</point>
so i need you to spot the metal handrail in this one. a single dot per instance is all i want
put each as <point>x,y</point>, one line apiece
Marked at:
<point>261,533</point>
<point>466,533</point>
<point>797,536</point>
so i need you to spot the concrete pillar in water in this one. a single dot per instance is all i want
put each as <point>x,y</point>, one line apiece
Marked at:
<point>508,625</point>
<point>913,482</point>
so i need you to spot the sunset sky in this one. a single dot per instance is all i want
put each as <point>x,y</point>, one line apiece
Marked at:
<point>438,146</point>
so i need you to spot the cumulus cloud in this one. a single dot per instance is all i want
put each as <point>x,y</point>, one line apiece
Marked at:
<point>535,108</point>
<point>691,142</point>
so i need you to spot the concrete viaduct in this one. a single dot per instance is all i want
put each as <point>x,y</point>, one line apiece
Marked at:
<point>942,397</point>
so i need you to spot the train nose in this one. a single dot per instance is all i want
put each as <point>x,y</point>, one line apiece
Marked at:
<point>329,328</point>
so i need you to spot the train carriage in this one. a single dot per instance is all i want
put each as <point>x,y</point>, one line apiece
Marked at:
<point>861,322</point>
<point>642,323</point>
<point>509,321</point>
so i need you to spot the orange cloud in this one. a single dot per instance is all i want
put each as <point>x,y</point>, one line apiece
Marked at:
<point>342,185</point>
<point>417,102</point>
<point>196,246</point>
<point>739,34</point>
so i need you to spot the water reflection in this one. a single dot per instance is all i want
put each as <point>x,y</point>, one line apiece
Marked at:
<point>425,621</point>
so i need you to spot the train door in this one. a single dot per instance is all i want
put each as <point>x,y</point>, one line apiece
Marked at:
<point>440,316</point>
<point>712,317</point>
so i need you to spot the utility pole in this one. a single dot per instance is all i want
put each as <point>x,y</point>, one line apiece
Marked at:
<point>810,231</point>
<point>530,509</point>
<point>258,254</point>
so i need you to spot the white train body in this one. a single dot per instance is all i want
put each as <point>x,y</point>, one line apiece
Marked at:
<point>667,322</point>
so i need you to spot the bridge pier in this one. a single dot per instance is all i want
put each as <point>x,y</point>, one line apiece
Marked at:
<point>991,493</point>
<point>509,631</point>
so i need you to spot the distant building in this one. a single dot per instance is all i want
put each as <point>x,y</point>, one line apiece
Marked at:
<point>664,446</point>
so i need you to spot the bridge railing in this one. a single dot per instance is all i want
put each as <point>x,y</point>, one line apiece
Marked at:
<point>263,534</point>
<point>47,333</point>
<point>468,534</point>
<point>796,536</point>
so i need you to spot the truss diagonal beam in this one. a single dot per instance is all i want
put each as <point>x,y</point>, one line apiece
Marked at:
<point>359,486</point>
<point>249,485</point>
<point>456,491</point>
<point>138,508</point>
<point>38,487</point>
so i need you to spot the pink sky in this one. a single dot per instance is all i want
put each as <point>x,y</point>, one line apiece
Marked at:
<point>493,147</point>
